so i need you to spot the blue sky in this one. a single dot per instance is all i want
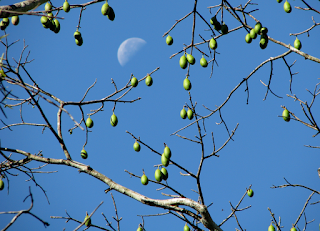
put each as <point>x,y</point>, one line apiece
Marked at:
<point>265,148</point>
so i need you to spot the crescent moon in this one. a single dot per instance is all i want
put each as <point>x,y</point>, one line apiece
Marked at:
<point>128,49</point>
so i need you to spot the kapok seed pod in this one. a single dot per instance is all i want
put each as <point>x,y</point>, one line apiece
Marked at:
<point>167,152</point>
<point>271,228</point>
<point>190,114</point>
<point>169,40</point>
<point>114,120</point>
<point>183,113</point>
<point>1,184</point>
<point>136,146</point>
<point>297,44</point>
<point>213,44</point>
<point>111,15</point>
<point>79,41</point>
<point>149,81</point>
<point>257,27</point>
<point>250,192</point>
<point>191,59</point>
<point>164,160</point>
<point>84,154</point>
<point>89,122</point>
<point>66,6</point>
<point>158,175</point>
<point>203,62</point>
<point>224,29</point>
<point>165,173</point>
<point>253,34</point>
<point>286,115</point>
<point>77,34</point>
<point>105,9</point>
<point>87,220</point>
<point>15,20</point>
<point>183,62</point>
<point>287,7</point>
<point>248,38</point>
<point>134,81</point>
<point>186,84</point>
<point>47,7</point>
<point>144,179</point>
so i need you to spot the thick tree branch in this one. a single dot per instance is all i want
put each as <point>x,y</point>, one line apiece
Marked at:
<point>23,6</point>
<point>170,204</point>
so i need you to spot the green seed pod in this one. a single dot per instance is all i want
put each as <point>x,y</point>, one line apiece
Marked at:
<point>79,41</point>
<point>2,25</point>
<point>287,7</point>
<point>213,44</point>
<point>183,113</point>
<point>149,81</point>
<point>87,220</point>
<point>183,62</point>
<point>257,27</point>
<point>1,184</point>
<point>89,122</point>
<point>190,114</point>
<point>297,44</point>
<point>139,228</point>
<point>50,16</point>
<point>6,21</point>
<point>271,228</point>
<point>47,7</point>
<point>2,74</point>
<point>57,26</point>
<point>253,34</point>
<point>134,81</point>
<point>186,227</point>
<point>136,146</point>
<point>224,29</point>
<point>279,1</point>
<point>158,175</point>
<point>167,152</point>
<point>250,192</point>
<point>187,84</point>
<point>144,179</point>
<point>248,38</point>
<point>105,9</point>
<point>111,15</point>
<point>114,120</point>
<point>286,115</point>
<point>169,40</point>
<point>213,20</point>
<point>164,173</point>
<point>164,160</point>
<point>52,25</point>
<point>77,34</point>
<point>66,6</point>
<point>217,26</point>
<point>203,62</point>
<point>84,154</point>
<point>191,59</point>
<point>264,30</point>
<point>263,41</point>
<point>44,20</point>
<point>15,20</point>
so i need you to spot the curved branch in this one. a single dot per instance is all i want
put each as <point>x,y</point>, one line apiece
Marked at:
<point>23,6</point>
<point>170,204</point>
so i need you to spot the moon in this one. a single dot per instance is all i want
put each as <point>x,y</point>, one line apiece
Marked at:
<point>129,48</point>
